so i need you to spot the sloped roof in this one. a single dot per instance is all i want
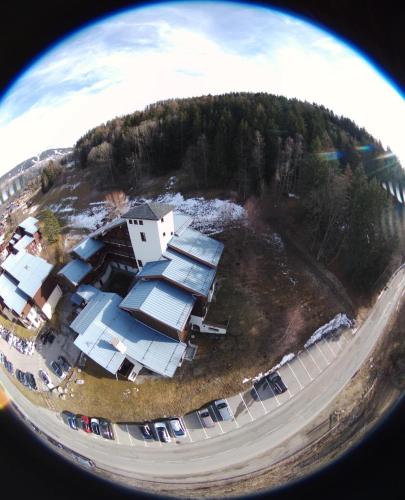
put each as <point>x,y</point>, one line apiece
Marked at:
<point>149,211</point>
<point>23,242</point>
<point>198,246</point>
<point>14,298</point>
<point>87,248</point>
<point>110,225</point>
<point>182,270</point>
<point>181,222</point>
<point>75,271</point>
<point>29,225</point>
<point>162,301</point>
<point>87,292</point>
<point>30,271</point>
<point>102,319</point>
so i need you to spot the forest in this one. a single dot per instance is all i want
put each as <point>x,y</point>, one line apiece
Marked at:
<point>258,145</point>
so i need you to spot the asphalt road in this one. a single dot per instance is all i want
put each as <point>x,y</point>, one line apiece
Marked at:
<point>314,379</point>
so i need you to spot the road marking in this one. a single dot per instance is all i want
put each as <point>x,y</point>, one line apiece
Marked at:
<point>330,348</point>
<point>260,399</point>
<point>305,368</point>
<point>202,426</point>
<point>274,394</point>
<point>116,433</point>
<point>292,371</point>
<point>187,432</point>
<point>220,426</point>
<point>129,434</point>
<point>243,401</point>
<point>323,355</point>
<point>231,412</point>
<point>316,364</point>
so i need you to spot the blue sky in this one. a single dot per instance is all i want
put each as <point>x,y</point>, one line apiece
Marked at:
<point>162,51</point>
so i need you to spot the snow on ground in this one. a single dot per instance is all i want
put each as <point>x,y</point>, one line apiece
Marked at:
<point>209,216</point>
<point>285,359</point>
<point>92,218</point>
<point>72,187</point>
<point>340,320</point>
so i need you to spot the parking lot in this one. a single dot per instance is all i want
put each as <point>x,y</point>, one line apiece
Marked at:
<point>251,404</point>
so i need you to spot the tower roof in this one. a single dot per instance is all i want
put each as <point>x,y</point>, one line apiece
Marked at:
<point>149,211</point>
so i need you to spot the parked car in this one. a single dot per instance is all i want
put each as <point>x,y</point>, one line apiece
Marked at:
<point>65,365</point>
<point>106,429</point>
<point>70,419</point>
<point>9,366</point>
<point>57,370</point>
<point>206,418</point>
<point>276,383</point>
<point>162,433</point>
<point>146,431</point>
<point>2,358</point>
<point>31,381</point>
<point>177,428</point>
<point>45,379</point>
<point>95,426</point>
<point>20,376</point>
<point>258,391</point>
<point>83,423</point>
<point>223,409</point>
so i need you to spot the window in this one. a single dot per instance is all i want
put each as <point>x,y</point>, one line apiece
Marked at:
<point>143,237</point>
<point>130,221</point>
<point>164,234</point>
<point>135,222</point>
<point>171,233</point>
<point>140,263</point>
<point>141,222</point>
<point>161,220</point>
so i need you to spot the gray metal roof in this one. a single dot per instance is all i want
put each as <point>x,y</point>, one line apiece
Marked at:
<point>111,225</point>
<point>102,319</point>
<point>30,225</point>
<point>181,222</point>
<point>87,248</point>
<point>149,211</point>
<point>87,292</point>
<point>23,242</point>
<point>75,271</point>
<point>198,246</point>
<point>14,298</point>
<point>184,271</point>
<point>162,301</point>
<point>30,271</point>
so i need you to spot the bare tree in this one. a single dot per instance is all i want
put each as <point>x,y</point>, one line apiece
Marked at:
<point>117,203</point>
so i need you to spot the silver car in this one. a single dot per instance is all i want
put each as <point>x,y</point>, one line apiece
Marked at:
<point>206,418</point>
<point>223,409</point>
<point>177,428</point>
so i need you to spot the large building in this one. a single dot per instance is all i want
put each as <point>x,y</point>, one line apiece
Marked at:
<point>28,292</point>
<point>174,269</point>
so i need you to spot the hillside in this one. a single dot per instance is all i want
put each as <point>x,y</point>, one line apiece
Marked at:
<point>322,169</point>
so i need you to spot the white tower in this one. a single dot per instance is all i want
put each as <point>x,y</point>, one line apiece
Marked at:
<point>150,228</point>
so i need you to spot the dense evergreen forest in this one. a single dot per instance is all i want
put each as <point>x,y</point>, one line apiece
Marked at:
<point>254,144</point>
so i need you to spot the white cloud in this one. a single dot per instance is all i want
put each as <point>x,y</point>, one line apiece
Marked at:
<point>96,76</point>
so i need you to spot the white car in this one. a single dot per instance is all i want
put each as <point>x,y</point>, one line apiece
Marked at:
<point>162,433</point>
<point>177,427</point>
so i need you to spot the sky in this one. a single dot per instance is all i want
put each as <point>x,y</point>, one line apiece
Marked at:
<point>137,57</point>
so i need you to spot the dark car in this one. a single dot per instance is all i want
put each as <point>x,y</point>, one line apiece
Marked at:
<point>66,366</point>
<point>95,426</point>
<point>162,433</point>
<point>31,381</point>
<point>20,376</point>
<point>83,423</point>
<point>9,366</point>
<point>106,429</point>
<point>57,369</point>
<point>258,391</point>
<point>70,419</point>
<point>146,431</point>
<point>2,358</point>
<point>223,409</point>
<point>276,383</point>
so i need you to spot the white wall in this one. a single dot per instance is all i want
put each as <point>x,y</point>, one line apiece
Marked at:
<point>157,235</point>
<point>52,301</point>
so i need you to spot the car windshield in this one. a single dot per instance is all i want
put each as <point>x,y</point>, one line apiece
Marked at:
<point>222,405</point>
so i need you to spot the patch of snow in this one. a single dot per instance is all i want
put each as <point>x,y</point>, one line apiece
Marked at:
<point>339,321</point>
<point>292,195</point>
<point>92,218</point>
<point>72,186</point>
<point>209,216</point>
<point>285,359</point>
<point>95,203</point>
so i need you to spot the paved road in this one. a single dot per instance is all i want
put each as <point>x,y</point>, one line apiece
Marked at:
<point>244,445</point>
